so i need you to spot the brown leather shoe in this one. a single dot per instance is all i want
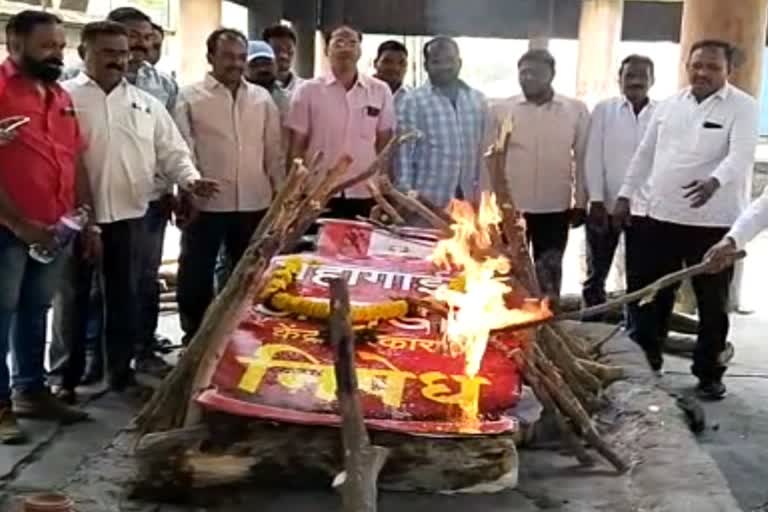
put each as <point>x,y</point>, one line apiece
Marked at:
<point>10,433</point>
<point>43,405</point>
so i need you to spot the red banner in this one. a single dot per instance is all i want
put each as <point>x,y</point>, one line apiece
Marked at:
<point>279,367</point>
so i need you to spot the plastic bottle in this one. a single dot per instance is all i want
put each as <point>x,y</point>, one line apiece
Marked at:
<point>66,228</point>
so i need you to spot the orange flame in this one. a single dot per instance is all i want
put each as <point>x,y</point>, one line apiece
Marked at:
<point>480,308</point>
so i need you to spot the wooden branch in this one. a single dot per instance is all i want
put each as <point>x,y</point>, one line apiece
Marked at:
<point>512,226</point>
<point>378,165</point>
<point>362,461</point>
<point>647,294</point>
<point>411,204</point>
<point>544,370</point>
<point>385,206</point>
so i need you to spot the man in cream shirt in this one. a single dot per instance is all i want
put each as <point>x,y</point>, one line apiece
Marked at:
<point>233,129</point>
<point>697,157</point>
<point>129,135</point>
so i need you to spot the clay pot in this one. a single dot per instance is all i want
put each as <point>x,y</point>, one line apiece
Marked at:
<point>49,502</point>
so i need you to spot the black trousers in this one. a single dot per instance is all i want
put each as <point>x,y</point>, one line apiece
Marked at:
<point>121,266</point>
<point>668,248</point>
<point>602,242</point>
<point>548,237</point>
<point>200,244</point>
<point>155,222</point>
<point>74,309</point>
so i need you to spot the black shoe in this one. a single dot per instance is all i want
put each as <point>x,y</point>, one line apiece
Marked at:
<point>712,391</point>
<point>153,365</point>
<point>656,362</point>
<point>44,405</point>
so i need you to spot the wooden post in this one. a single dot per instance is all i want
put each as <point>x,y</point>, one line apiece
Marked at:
<point>362,461</point>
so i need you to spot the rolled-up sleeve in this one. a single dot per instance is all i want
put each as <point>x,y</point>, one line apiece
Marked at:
<point>299,111</point>
<point>742,141</point>
<point>182,118</point>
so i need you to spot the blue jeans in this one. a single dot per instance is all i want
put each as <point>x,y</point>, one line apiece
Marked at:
<point>26,290</point>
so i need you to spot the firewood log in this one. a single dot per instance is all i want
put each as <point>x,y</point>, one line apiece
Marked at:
<point>362,461</point>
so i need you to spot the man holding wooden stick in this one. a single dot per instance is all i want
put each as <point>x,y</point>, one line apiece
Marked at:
<point>696,156</point>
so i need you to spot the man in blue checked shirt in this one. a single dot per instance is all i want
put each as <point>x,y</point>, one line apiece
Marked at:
<point>453,119</point>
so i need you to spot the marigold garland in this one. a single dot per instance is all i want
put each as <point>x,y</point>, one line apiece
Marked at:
<point>277,295</point>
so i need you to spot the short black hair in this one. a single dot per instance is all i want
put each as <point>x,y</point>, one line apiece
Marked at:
<point>101,28</point>
<point>213,39</point>
<point>159,28</point>
<point>279,32</point>
<point>637,59</point>
<point>328,34</point>
<point>23,23</point>
<point>439,39</point>
<point>391,46</point>
<point>538,55</point>
<point>729,50</point>
<point>128,14</point>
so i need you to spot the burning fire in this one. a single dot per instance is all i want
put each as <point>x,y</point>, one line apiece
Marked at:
<point>481,307</point>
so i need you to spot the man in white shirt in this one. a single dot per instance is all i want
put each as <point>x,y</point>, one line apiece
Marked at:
<point>233,129</point>
<point>616,129</point>
<point>545,163</point>
<point>129,135</point>
<point>697,157</point>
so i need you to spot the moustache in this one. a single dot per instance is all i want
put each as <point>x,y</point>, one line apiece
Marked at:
<point>138,49</point>
<point>54,62</point>
<point>116,67</point>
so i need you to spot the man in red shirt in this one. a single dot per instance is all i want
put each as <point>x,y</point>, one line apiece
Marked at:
<point>37,186</point>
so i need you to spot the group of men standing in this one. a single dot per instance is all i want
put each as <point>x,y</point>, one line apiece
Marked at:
<point>120,138</point>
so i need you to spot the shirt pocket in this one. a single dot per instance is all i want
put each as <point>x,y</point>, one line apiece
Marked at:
<point>369,116</point>
<point>712,140</point>
<point>138,123</point>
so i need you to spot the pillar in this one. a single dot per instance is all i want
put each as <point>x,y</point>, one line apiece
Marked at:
<point>262,14</point>
<point>741,23</point>
<point>599,37</point>
<point>197,19</point>
<point>541,25</point>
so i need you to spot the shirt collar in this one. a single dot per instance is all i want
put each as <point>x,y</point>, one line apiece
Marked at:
<point>556,98</point>
<point>625,103</point>
<point>362,80</point>
<point>462,85</point>
<point>721,93</point>
<point>211,83</point>
<point>9,69</point>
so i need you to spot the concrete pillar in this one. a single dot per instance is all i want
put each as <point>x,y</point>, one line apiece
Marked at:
<point>741,23</point>
<point>599,37</point>
<point>540,26</point>
<point>197,19</point>
<point>262,14</point>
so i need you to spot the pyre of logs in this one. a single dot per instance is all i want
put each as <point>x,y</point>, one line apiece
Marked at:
<point>559,367</point>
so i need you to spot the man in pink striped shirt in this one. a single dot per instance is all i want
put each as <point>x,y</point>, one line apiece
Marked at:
<point>342,113</point>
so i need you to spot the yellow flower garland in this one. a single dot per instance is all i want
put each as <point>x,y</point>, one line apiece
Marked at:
<point>277,295</point>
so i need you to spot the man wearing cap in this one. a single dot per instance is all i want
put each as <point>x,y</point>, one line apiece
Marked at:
<point>262,71</point>
<point>233,129</point>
